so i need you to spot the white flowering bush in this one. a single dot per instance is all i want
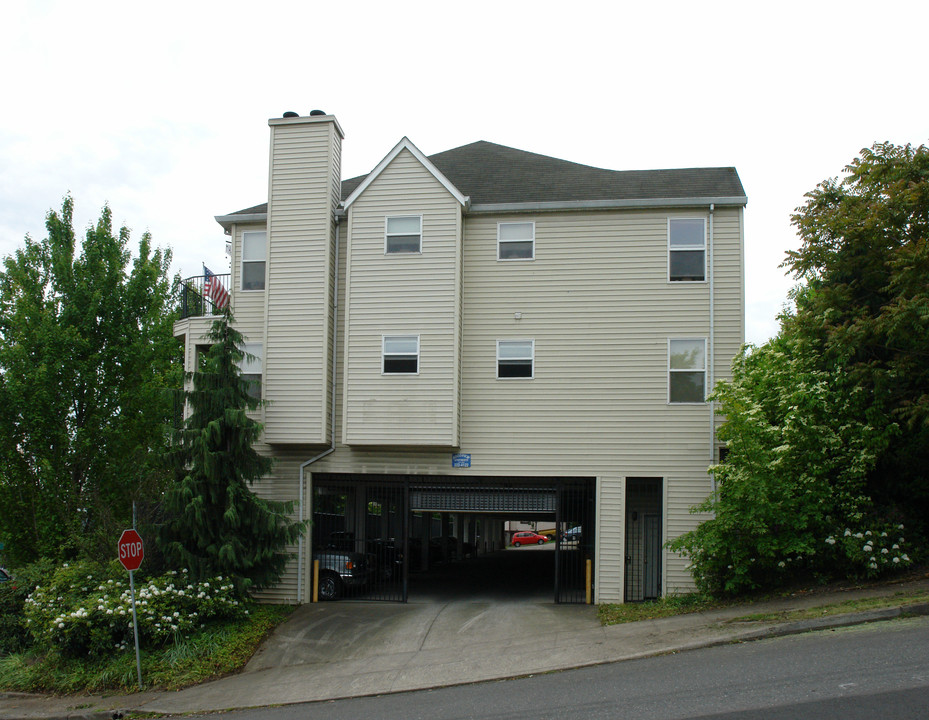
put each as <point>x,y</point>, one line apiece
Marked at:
<point>87,609</point>
<point>870,552</point>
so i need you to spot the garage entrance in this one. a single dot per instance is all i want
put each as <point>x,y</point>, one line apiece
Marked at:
<point>400,533</point>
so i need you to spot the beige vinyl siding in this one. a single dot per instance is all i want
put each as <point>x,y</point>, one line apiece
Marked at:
<point>597,302</point>
<point>610,537</point>
<point>304,161</point>
<point>403,294</point>
<point>248,306</point>
<point>283,484</point>
<point>729,289</point>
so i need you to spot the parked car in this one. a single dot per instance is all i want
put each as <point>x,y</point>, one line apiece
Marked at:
<point>573,535</point>
<point>551,533</point>
<point>341,571</point>
<point>388,558</point>
<point>528,538</point>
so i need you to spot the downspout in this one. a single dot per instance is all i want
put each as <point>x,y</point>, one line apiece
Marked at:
<point>712,344</point>
<point>331,448</point>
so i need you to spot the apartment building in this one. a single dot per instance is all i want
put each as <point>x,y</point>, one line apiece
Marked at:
<point>487,335</point>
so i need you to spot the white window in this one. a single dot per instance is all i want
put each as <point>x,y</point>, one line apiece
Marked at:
<point>400,354</point>
<point>515,358</point>
<point>404,234</point>
<point>254,254</point>
<point>516,241</point>
<point>686,249</point>
<point>687,370</point>
<point>250,367</point>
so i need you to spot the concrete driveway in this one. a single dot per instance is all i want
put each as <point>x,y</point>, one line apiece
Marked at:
<point>493,601</point>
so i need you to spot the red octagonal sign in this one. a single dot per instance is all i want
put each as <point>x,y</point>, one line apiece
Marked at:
<point>130,549</point>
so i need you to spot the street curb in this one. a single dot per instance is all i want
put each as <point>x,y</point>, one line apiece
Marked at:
<point>89,715</point>
<point>86,714</point>
<point>836,621</point>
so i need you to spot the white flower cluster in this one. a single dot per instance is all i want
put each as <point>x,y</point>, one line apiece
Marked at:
<point>874,551</point>
<point>94,617</point>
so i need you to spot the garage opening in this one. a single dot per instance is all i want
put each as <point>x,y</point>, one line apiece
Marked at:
<point>408,536</point>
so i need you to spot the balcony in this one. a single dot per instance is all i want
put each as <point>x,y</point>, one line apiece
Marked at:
<point>203,295</point>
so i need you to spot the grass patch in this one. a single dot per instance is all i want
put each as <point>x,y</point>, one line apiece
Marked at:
<point>215,651</point>
<point>900,599</point>
<point>614,614</point>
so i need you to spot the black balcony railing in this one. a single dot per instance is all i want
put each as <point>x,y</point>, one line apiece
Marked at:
<point>203,295</point>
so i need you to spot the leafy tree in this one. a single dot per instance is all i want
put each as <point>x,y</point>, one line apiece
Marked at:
<point>216,525</point>
<point>801,442</point>
<point>828,423</point>
<point>865,306</point>
<point>86,352</point>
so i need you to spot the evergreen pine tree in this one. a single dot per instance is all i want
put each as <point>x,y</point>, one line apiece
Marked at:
<point>216,525</point>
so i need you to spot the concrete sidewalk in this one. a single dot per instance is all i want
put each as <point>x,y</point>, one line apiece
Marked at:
<point>350,649</point>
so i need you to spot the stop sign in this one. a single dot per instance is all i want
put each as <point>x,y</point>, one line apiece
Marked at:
<point>130,549</point>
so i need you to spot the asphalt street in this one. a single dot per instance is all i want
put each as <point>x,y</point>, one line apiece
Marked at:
<point>879,670</point>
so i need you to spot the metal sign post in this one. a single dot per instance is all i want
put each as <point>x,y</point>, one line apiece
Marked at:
<point>135,630</point>
<point>130,555</point>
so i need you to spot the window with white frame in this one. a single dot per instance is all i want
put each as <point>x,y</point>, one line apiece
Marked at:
<point>254,256</point>
<point>404,234</point>
<point>687,370</point>
<point>515,359</point>
<point>400,354</point>
<point>686,249</point>
<point>516,241</point>
<point>250,367</point>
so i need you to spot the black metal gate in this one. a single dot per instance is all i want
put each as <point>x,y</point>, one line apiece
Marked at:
<point>643,539</point>
<point>365,525</point>
<point>574,552</point>
<point>376,524</point>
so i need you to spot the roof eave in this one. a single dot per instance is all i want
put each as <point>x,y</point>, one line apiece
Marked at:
<point>612,204</point>
<point>227,221</point>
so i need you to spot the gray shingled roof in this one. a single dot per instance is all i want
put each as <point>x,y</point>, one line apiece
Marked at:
<point>493,174</point>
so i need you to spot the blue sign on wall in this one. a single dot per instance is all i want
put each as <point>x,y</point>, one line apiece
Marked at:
<point>461,460</point>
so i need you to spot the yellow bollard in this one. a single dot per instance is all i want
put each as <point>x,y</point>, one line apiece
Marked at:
<point>589,568</point>
<point>316,581</point>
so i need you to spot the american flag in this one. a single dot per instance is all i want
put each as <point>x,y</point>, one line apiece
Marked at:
<point>213,289</point>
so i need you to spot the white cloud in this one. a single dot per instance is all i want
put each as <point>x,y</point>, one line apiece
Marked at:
<point>161,111</point>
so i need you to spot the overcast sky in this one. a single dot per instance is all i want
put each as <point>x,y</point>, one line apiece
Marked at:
<point>160,110</point>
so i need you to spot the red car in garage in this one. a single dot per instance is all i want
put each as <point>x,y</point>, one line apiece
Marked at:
<point>528,538</point>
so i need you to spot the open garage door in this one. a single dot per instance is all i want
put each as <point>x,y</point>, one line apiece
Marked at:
<point>411,531</point>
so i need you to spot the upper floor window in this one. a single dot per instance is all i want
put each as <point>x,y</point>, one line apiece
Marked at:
<point>516,241</point>
<point>404,234</point>
<point>686,249</point>
<point>254,255</point>
<point>687,370</point>
<point>515,358</point>
<point>400,354</point>
<point>250,367</point>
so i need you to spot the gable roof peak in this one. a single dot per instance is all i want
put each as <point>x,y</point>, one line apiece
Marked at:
<point>405,144</point>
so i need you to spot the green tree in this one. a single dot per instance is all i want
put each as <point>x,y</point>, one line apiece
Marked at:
<point>828,423</point>
<point>86,352</point>
<point>801,443</point>
<point>864,308</point>
<point>216,525</point>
